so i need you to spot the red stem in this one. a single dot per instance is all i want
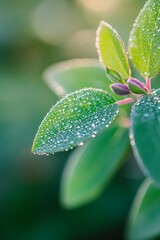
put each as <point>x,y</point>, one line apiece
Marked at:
<point>148,84</point>
<point>125,101</point>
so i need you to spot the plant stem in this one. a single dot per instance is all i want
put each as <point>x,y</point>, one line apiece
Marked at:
<point>124,122</point>
<point>148,84</point>
<point>125,101</point>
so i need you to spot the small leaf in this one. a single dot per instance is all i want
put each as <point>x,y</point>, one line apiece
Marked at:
<point>91,167</point>
<point>114,76</point>
<point>145,134</point>
<point>111,50</point>
<point>71,75</point>
<point>74,119</point>
<point>144,43</point>
<point>144,218</point>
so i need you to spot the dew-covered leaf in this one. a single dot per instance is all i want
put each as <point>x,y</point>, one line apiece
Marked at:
<point>75,119</point>
<point>144,43</point>
<point>145,134</point>
<point>111,50</point>
<point>144,218</point>
<point>91,167</point>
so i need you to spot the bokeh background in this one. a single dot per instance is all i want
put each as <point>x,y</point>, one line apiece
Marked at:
<point>33,35</point>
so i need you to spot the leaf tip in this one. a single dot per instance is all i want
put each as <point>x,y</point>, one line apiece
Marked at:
<point>34,148</point>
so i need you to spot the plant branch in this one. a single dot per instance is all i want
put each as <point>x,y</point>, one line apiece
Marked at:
<point>125,101</point>
<point>148,85</point>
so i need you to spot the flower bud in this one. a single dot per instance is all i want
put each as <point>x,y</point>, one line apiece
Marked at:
<point>136,86</point>
<point>114,76</point>
<point>120,89</point>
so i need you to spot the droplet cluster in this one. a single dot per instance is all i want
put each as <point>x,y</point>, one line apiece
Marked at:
<point>147,108</point>
<point>112,57</point>
<point>144,43</point>
<point>74,119</point>
<point>145,133</point>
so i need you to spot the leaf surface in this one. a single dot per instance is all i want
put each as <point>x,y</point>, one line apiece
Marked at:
<point>144,43</point>
<point>145,134</point>
<point>75,119</point>
<point>111,50</point>
<point>91,167</point>
<point>144,218</point>
<point>71,75</point>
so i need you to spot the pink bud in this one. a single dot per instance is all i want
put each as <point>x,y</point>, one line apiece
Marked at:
<point>136,86</point>
<point>120,89</point>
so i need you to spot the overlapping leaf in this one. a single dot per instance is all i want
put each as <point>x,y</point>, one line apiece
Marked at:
<point>74,119</point>
<point>144,219</point>
<point>145,133</point>
<point>90,168</point>
<point>71,75</point>
<point>144,44</point>
<point>111,50</point>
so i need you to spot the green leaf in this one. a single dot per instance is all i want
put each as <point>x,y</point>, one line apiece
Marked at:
<point>144,218</point>
<point>144,43</point>
<point>91,167</point>
<point>114,76</point>
<point>75,119</point>
<point>72,75</point>
<point>111,50</point>
<point>145,133</point>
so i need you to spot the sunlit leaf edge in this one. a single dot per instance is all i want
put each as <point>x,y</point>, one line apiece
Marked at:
<point>60,101</point>
<point>130,43</point>
<point>138,158</point>
<point>121,44</point>
<point>49,74</point>
<point>135,208</point>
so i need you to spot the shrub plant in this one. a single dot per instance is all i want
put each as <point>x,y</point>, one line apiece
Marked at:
<point>86,112</point>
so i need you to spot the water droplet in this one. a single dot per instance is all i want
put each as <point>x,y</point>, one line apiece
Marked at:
<point>80,144</point>
<point>70,123</point>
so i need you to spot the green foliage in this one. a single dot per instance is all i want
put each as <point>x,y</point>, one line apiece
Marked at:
<point>97,162</point>
<point>114,76</point>
<point>144,218</point>
<point>91,107</point>
<point>75,119</point>
<point>111,50</point>
<point>72,75</point>
<point>145,133</point>
<point>144,44</point>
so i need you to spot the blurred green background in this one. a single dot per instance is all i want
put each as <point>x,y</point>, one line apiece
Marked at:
<point>33,35</point>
